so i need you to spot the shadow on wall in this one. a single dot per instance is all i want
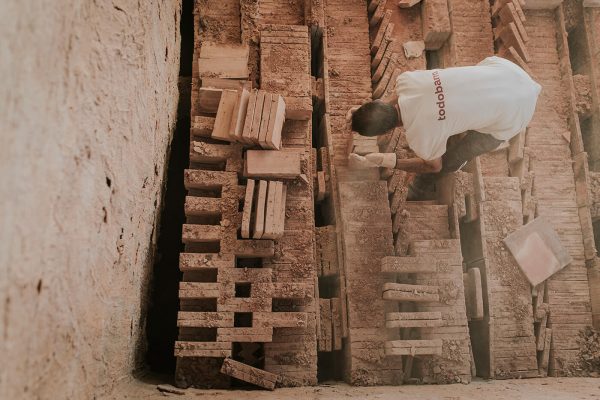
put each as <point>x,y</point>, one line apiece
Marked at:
<point>161,324</point>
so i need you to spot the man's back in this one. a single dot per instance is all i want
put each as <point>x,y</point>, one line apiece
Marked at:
<point>495,97</point>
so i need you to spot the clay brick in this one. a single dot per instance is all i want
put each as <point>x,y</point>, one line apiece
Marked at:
<point>382,85</point>
<point>327,256</point>
<point>264,122</point>
<point>209,95</point>
<point>372,5</point>
<point>543,368</point>
<point>223,60</point>
<point>298,108</point>
<point>202,206</point>
<point>385,29</point>
<point>274,190</point>
<point>249,374</point>
<point>239,114</point>
<point>509,35</point>
<point>202,349</point>
<point>272,164</point>
<point>325,333</point>
<point>386,42</point>
<point>336,318</point>
<point>200,261</point>
<point>537,250</point>
<point>408,3</point>
<point>289,290</point>
<point>516,146</point>
<point>321,186</point>
<point>473,294</point>
<point>413,320</point>
<point>208,100</point>
<point>382,66</point>
<point>199,290</point>
<point>247,212</point>
<point>254,248</point>
<point>421,264</point>
<point>192,319</point>
<point>280,319</point>
<point>210,153</point>
<point>258,113</point>
<point>413,347</point>
<point>436,23</point>
<point>259,210</point>
<point>249,120</point>
<point>280,222</point>
<point>509,14</point>
<point>203,126</point>
<point>406,292</point>
<point>317,89</point>
<point>378,14</point>
<point>542,4</point>
<point>244,304</point>
<point>222,126</point>
<point>277,114</point>
<point>195,233</point>
<point>253,334</point>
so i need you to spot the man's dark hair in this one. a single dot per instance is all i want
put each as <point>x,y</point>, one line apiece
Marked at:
<point>374,118</point>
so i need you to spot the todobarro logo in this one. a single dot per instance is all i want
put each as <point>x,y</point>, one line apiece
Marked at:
<point>441,97</point>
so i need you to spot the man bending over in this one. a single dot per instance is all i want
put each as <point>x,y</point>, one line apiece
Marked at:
<point>490,102</point>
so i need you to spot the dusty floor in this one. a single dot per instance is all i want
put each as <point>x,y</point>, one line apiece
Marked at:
<point>530,389</point>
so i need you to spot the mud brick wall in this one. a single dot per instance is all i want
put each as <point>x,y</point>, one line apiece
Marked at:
<point>88,105</point>
<point>554,191</point>
<point>582,25</point>
<point>367,238</point>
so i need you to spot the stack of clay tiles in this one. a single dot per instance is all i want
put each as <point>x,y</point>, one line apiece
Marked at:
<point>233,293</point>
<point>265,200</point>
<point>251,117</point>
<point>509,31</point>
<point>425,281</point>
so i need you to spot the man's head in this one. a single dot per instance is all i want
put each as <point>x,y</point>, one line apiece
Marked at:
<point>374,118</point>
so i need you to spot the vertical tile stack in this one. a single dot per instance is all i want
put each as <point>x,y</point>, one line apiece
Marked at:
<point>510,34</point>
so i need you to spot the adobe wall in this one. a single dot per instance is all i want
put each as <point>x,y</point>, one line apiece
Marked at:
<point>87,108</point>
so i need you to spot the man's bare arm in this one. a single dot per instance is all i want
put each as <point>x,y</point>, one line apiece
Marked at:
<point>419,166</point>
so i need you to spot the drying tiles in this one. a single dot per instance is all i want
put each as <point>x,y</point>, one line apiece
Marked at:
<point>264,210</point>
<point>253,118</point>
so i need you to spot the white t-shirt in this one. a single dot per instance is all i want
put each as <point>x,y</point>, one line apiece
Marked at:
<point>495,97</point>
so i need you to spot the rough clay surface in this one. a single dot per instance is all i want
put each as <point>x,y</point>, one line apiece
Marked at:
<point>87,108</point>
<point>516,389</point>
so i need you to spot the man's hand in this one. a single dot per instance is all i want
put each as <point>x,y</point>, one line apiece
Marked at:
<point>359,162</point>
<point>385,160</point>
<point>372,160</point>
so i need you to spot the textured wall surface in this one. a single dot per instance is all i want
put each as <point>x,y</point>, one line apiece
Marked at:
<point>87,107</point>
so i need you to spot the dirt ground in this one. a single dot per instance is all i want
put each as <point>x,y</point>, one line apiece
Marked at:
<point>530,389</point>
